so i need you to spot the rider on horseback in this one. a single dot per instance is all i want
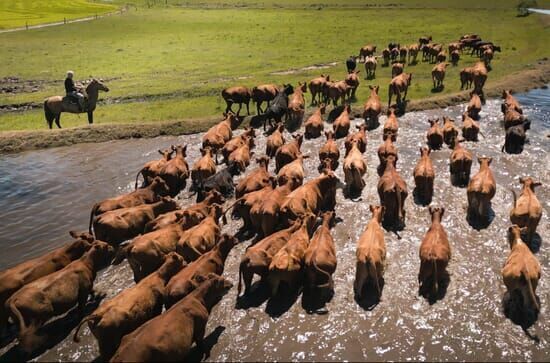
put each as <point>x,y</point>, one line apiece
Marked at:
<point>72,91</point>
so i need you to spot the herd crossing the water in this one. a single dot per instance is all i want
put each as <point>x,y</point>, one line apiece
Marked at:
<point>177,256</point>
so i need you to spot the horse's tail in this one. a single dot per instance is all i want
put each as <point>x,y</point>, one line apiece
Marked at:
<point>50,116</point>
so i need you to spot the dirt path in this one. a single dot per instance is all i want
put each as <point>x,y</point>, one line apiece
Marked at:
<point>17,141</point>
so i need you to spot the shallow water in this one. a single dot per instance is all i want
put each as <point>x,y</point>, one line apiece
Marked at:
<point>44,194</point>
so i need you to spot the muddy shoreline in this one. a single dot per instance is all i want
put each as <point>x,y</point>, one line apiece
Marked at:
<point>18,141</point>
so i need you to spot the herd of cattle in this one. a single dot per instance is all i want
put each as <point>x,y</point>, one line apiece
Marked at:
<point>177,256</point>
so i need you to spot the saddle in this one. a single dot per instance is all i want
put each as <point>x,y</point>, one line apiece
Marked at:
<point>72,102</point>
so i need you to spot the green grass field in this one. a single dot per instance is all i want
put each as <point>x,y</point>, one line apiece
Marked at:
<point>173,61</point>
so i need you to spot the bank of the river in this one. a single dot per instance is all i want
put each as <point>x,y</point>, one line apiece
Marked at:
<point>17,141</point>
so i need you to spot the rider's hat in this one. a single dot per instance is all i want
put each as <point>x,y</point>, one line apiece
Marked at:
<point>70,73</point>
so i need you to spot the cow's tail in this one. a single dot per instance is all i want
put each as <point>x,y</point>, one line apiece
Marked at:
<point>399,209</point>
<point>436,283</point>
<point>245,261</point>
<point>326,285</point>
<point>17,314</point>
<point>92,214</point>
<point>374,275</point>
<point>232,205</point>
<point>137,177</point>
<point>93,318</point>
<point>122,253</point>
<point>530,288</point>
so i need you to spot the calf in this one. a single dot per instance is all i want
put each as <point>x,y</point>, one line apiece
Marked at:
<point>335,91</point>
<point>370,67</point>
<point>424,176</point>
<point>515,138</point>
<point>460,165</point>
<point>201,238</point>
<point>399,85</point>
<point>355,168</point>
<point>288,152</point>
<point>360,137</point>
<point>55,294</point>
<point>397,69</point>
<point>352,80</point>
<point>275,140</point>
<point>297,104</point>
<point>470,128</point>
<point>391,126</point>
<point>123,224</point>
<point>203,168</point>
<point>342,123</point>
<point>481,189</point>
<point>392,191</point>
<point>510,102</point>
<point>292,172</point>
<point>521,272</point>
<point>527,210</point>
<point>237,142</point>
<point>256,179</point>
<point>240,158</point>
<point>152,168</point>
<point>434,135</point>
<point>386,150</point>
<point>466,77</point>
<point>317,88</point>
<point>474,106</point>
<point>14,278</point>
<point>450,131</point>
<point>257,258</point>
<point>372,108</point>
<point>170,336</point>
<point>185,281</point>
<point>330,150</point>
<point>239,95</point>
<point>438,75</point>
<point>435,253</point>
<point>261,93</point>
<point>286,265</point>
<point>176,171</point>
<point>320,257</point>
<point>371,255</point>
<point>314,124</point>
<point>131,308</point>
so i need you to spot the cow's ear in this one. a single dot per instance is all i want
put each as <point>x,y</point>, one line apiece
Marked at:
<point>442,209</point>
<point>161,152</point>
<point>184,149</point>
<point>489,160</point>
<point>371,207</point>
<point>521,180</point>
<point>74,234</point>
<point>537,184</point>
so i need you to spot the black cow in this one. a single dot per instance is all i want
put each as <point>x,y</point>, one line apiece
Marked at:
<point>351,63</point>
<point>394,45</point>
<point>515,138</point>
<point>222,181</point>
<point>476,47</point>
<point>278,107</point>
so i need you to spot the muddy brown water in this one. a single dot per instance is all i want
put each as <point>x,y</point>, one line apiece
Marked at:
<point>46,193</point>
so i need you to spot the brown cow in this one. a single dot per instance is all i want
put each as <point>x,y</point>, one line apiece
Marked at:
<point>455,57</point>
<point>240,158</point>
<point>434,135</point>
<point>366,51</point>
<point>314,124</point>
<point>370,67</point>
<point>399,84</point>
<point>297,104</point>
<point>342,123</point>
<point>438,75</point>
<point>454,46</point>
<point>176,171</point>
<point>131,308</point>
<point>286,265</point>
<point>288,152</point>
<point>55,294</point>
<point>152,168</point>
<point>201,238</point>
<point>384,151</point>
<point>16,277</point>
<point>265,215</point>
<point>413,53</point>
<point>257,258</point>
<point>330,150</point>
<point>123,224</point>
<point>150,194</point>
<point>256,179</point>
<point>185,281</point>
<point>510,102</point>
<point>169,336</point>
<point>386,54</point>
<point>219,134</point>
<point>392,191</point>
<point>203,167</point>
<point>474,106</point>
<point>450,131</point>
<point>470,128</point>
<point>424,176</point>
<point>435,253</point>
<point>466,77</point>
<point>521,272</point>
<point>371,255</point>
<point>372,108</point>
<point>337,90</point>
<point>353,82</point>
<point>261,93</point>
<point>403,54</point>
<point>359,136</point>
<point>355,168</point>
<point>513,118</point>
<point>317,88</point>
<point>487,56</point>
<point>527,210</point>
<point>275,140</point>
<point>391,126</point>
<point>320,257</point>
<point>397,69</point>
<point>481,190</point>
<point>292,172</point>
<point>237,94</point>
<point>460,164</point>
<point>480,77</point>
<point>441,57</point>
<point>237,142</point>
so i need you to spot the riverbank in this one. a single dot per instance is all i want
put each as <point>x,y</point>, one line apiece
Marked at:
<point>18,141</point>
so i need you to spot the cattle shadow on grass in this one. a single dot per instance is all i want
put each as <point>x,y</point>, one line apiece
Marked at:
<point>426,288</point>
<point>198,353</point>
<point>438,89</point>
<point>512,306</point>
<point>53,332</point>
<point>279,304</point>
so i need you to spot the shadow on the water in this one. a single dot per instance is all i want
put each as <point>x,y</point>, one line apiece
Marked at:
<point>314,300</point>
<point>370,297</point>
<point>279,304</point>
<point>199,353</point>
<point>426,288</point>
<point>512,305</point>
<point>258,294</point>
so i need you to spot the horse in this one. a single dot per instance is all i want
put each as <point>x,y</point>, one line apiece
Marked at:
<point>53,106</point>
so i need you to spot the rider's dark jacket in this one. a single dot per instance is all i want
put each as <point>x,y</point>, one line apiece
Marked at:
<point>69,85</point>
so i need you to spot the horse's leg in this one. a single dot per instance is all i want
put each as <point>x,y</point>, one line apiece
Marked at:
<point>239,110</point>
<point>90,117</point>
<point>247,109</point>
<point>228,108</point>
<point>57,120</point>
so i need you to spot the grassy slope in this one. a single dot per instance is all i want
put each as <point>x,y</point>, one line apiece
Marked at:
<point>195,53</point>
<point>17,13</point>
